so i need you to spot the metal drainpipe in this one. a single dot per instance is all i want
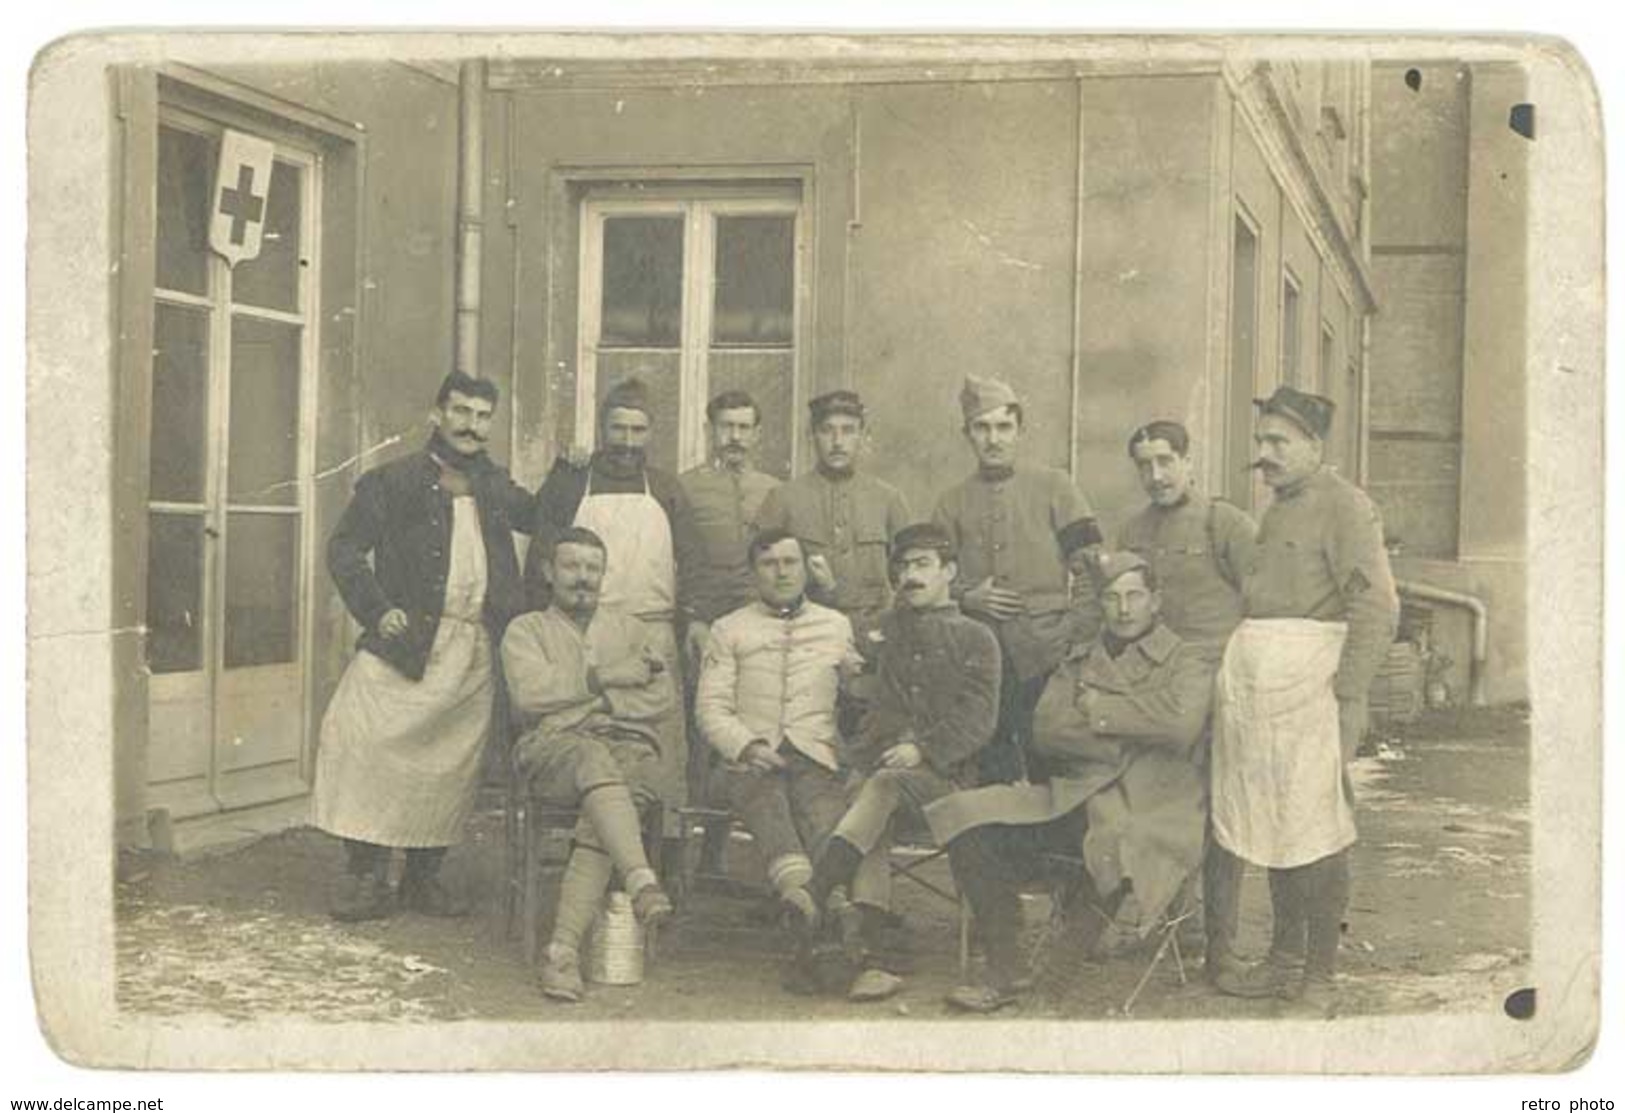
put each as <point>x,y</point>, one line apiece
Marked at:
<point>1481,629</point>
<point>470,211</point>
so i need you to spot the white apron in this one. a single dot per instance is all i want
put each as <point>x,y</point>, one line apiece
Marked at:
<point>399,760</point>
<point>1278,795</point>
<point>640,580</point>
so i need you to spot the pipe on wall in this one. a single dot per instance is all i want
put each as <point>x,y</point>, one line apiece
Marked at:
<point>470,211</point>
<point>1481,629</point>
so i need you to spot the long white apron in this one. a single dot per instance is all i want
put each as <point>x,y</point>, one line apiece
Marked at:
<point>399,760</point>
<point>1278,794</point>
<point>640,580</point>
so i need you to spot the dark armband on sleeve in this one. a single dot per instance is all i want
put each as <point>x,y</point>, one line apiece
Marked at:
<point>1079,534</point>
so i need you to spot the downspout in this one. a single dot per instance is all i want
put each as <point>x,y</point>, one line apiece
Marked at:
<point>470,211</point>
<point>1481,629</point>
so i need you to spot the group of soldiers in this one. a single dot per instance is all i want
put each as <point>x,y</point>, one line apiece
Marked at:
<point>1141,718</point>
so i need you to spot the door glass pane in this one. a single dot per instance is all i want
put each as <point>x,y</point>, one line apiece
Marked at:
<point>755,287</point>
<point>264,435</point>
<point>643,282</point>
<point>659,373</point>
<point>262,563</point>
<point>175,592</point>
<point>186,165</point>
<point>272,280</point>
<point>769,377</point>
<point>180,403</point>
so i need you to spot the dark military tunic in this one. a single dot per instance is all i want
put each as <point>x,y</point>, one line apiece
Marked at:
<point>1320,555</point>
<point>1199,551</point>
<point>938,679</point>
<point>724,504</point>
<point>1019,527</point>
<point>850,520</point>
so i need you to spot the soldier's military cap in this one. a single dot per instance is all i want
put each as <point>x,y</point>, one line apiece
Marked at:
<point>1310,412</point>
<point>836,402</point>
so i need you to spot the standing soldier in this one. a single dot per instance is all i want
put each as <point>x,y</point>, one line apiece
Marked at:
<point>1320,613</point>
<point>399,758</point>
<point>647,526</point>
<point>847,520</point>
<point>1199,548</point>
<point>725,494</point>
<point>1016,529</point>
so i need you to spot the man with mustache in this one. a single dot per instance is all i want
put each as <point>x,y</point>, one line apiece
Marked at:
<point>1119,726</point>
<point>588,692</point>
<point>1200,547</point>
<point>1321,611</point>
<point>1018,529</point>
<point>936,703</point>
<point>725,493</point>
<point>766,704</point>
<point>846,519</point>
<point>424,560</point>
<point>647,525</point>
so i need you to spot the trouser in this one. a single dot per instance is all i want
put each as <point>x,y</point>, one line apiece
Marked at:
<point>1222,872</point>
<point>1005,760</point>
<point>422,862</point>
<point>1308,903</point>
<point>883,793</point>
<point>791,813</point>
<point>992,863</point>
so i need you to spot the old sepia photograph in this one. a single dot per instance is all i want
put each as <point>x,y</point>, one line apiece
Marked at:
<point>984,551</point>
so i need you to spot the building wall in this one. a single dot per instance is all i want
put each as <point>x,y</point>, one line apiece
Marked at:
<point>1448,350</point>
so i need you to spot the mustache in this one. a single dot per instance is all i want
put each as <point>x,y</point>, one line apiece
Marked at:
<point>911,585</point>
<point>578,585</point>
<point>1260,465</point>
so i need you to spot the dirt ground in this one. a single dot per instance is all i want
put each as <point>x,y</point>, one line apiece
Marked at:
<point>1439,920</point>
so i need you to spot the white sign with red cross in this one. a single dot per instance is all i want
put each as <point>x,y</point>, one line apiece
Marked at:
<point>241,188</point>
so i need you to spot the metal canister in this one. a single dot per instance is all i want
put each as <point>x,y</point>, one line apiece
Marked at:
<point>615,948</point>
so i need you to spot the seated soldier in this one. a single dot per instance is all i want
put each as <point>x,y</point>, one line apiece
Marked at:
<point>766,704</point>
<point>588,691</point>
<point>935,706</point>
<point>1117,729</point>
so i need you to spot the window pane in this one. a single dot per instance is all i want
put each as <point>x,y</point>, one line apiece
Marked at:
<point>262,564</point>
<point>272,279</point>
<point>186,165</point>
<point>264,435</point>
<point>180,403</point>
<point>643,282</point>
<point>175,592</point>
<point>770,379</point>
<point>755,281</point>
<point>1291,345</point>
<point>659,373</point>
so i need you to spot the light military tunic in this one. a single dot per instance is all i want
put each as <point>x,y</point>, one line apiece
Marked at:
<point>1019,527</point>
<point>850,520</point>
<point>1199,551</point>
<point>1320,555</point>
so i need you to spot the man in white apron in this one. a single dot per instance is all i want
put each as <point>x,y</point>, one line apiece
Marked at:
<point>424,559</point>
<point>1321,611</point>
<point>647,525</point>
